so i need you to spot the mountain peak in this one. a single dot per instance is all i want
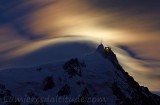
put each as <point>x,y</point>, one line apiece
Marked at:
<point>104,50</point>
<point>107,53</point>
<point>100,48</point>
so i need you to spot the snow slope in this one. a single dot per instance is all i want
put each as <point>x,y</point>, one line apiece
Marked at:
<point>50,52</point>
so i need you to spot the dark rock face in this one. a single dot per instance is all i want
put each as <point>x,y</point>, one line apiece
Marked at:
<point>13,102</point>
<point>64,91</point>
<point>73,67</point>
<point>82,100</point>
<point>100,49</point>
<point>122,99</point>
<point>80,83</point>
<point>36,100</point>
<point>6,96</point>
<point>39,69</point>
<point>107,53</point>
<point>85,95</point>
<point>48,83</point>
<point>140,96</point>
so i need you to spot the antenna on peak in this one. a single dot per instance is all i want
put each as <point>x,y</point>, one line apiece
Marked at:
<point>101,42</point>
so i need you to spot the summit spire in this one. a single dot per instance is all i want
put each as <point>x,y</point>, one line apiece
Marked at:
<point>100,48</point>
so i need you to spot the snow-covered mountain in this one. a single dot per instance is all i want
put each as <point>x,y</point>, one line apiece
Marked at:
<point>94,79</point>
